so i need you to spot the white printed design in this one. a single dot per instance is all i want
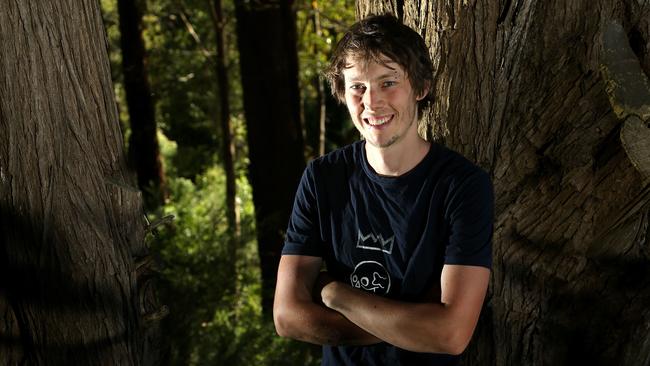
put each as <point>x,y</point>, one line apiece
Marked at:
<point>375,242</point>
<point>371,276</point>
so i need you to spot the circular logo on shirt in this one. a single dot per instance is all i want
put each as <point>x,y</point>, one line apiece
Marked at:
<point>371,276</point>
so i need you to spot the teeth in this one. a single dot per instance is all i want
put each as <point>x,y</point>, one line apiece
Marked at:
<point>378,122</point>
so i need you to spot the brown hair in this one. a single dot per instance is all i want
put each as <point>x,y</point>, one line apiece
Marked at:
<point>384,35</point>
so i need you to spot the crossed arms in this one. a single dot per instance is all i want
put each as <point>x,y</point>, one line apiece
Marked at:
<point>348,316</point>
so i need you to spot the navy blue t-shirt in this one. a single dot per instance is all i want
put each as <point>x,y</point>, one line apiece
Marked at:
<point>392,235</point>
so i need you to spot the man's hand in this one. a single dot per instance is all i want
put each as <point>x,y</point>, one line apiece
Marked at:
<point>323,279</point>
<point>328,294</point>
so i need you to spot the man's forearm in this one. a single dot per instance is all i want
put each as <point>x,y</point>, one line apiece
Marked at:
<point>314,323</point>
<point>439,327</point>
<point>420,327</point>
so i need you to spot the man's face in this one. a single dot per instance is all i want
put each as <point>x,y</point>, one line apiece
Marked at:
<point>381,101</point>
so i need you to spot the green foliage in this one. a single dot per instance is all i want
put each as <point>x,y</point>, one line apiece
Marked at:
<point>180,41</point>
<point>182,78</point>
<point>216,317</point>
<point>315,50</point>
<point>320,25</point>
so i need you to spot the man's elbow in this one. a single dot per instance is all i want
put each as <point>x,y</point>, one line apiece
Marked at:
<point>456,348</point>
<point>456,342</point>
<point>451,342</point>
<point>289,320</point>
<point>282,322</point>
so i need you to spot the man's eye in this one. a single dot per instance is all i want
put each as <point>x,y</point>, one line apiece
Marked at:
<point>357,87</point>
<point>389,83</point>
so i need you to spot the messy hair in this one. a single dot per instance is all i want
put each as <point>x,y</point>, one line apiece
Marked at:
<point>378,36</point>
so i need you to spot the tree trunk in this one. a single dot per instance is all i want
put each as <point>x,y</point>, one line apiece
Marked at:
<point>228,146</point>
<point>71,225</point>
<point>269,71</point>
<point>144,153</point>
<point>521,92</point>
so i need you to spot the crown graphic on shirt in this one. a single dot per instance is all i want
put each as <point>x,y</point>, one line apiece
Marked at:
<point>375,242</point>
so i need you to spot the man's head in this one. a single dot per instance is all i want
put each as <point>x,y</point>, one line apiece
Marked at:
<point>376,38</point>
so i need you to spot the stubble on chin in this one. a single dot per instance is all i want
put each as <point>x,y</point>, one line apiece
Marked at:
<point>386,144</point>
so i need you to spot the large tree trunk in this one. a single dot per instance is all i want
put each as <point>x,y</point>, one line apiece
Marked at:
<point>269,71</point>
<point>520,91</point>
<point>71,226</point>
<point>144,153</point>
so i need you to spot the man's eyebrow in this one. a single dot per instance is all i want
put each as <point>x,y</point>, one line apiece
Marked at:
<point>383,76</point>
<point>388,75</point>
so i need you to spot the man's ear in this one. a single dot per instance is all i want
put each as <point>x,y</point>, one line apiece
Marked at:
<point>425,91</point>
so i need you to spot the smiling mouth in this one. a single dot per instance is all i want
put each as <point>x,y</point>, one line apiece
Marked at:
<point>378,121</point>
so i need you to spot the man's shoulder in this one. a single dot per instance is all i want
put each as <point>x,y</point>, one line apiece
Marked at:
<point>455,167</point>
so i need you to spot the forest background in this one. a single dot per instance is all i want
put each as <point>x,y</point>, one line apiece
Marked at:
<point>213,293</point>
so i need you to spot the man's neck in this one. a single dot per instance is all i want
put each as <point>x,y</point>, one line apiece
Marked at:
<point>399,159</point>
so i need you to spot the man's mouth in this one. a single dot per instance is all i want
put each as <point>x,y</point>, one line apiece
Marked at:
<point>379,120</point>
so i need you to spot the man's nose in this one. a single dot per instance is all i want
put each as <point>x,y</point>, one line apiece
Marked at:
<point>372,98</point>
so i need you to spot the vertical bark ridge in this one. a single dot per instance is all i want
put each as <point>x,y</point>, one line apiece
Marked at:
<point>69,236</point>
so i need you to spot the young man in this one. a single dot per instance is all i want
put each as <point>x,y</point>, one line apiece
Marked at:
<point>403,226</point>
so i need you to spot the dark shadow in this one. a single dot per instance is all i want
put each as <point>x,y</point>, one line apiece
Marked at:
<point>79,315</point>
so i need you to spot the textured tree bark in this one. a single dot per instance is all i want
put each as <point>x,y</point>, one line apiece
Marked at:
<point>71,226</point>
<point>269,71</point>
<point>144,153</point>
<point>520,91</point>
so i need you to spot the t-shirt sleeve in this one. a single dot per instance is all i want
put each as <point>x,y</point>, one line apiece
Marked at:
<point>303,232</point>
<point>470,212</point>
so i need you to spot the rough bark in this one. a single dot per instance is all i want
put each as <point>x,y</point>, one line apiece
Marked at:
<point>144,154</point>
<point>71,226</point>
<point>269,71</point>
<point>520,91</point>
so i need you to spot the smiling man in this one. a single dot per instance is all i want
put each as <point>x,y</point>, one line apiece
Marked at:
<point>403,226</point>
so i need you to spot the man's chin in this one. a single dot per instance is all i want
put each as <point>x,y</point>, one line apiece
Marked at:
<point>381,144</point>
